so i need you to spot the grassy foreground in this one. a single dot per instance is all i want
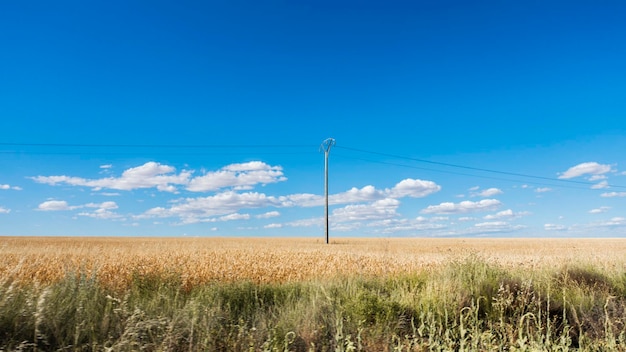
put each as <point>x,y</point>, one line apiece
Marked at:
<point>464,305</point>
<point>108,294</point>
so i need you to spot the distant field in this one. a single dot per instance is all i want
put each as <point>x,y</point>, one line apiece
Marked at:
<point>276,260</point>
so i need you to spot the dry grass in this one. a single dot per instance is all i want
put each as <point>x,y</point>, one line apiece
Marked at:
<point>115,261</point>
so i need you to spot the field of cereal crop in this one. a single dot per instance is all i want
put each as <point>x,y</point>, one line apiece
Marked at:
<point>267,260</point>
<point>300,294</point>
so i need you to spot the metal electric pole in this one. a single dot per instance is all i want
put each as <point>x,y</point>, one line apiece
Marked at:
<point>325,147</point>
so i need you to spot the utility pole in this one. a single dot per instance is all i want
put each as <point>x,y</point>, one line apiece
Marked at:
<point>325,147</point>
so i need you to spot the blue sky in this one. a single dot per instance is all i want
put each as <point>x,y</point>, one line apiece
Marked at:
<point>205,118</point>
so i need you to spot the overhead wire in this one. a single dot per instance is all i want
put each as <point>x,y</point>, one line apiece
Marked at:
<point>394,156</point>
<point>177,146</point>
<point>461,173</point>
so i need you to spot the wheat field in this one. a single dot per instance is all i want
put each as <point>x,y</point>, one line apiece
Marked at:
<point>196,261</point>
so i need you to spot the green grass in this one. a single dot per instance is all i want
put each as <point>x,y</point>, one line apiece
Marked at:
<point>468,305</point>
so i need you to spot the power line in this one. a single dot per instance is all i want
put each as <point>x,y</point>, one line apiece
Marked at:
<point>460,173</point>
<point>474,168</point>
<point>173,146</point>
<point>159,153</point>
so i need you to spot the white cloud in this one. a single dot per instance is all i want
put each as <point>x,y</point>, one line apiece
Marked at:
<point>488,192</point>
<point>4,210</point>
<point>491,224</point>
<point>406,188</point>
<point>269,214</point>
<point>597,177</point>
<point>601,185</point>
<point>380,209</point>
<point>103,210</point>
<point>6,187</point>
<point>496,226</point>
<point>194,209</point>
<point>613,194</point>
<point>239,176</point>
<point>380,202</point>
<point>273,226</point>
<point>599,210</point>
<point>148,175</point>
<point>418,224</point>
<point>54,205</point>
<point>588,168</point>
<point>475,188</point>
<point>355,195</point>
<point>462,207</point>
<point>554,227</point>
<point>102,213</point>
<point>107,166</point>
<point>413,188</point>
<point>234,216</point>
<point>543,189</point>
<point>616,221</point>
<point>506,214</point>
<point>466,218</point>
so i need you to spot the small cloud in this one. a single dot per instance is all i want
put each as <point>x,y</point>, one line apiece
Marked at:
<point>491,224</point>
<point>413,188</point>
<point>269,214</point>
<point>613,194</point>
<point>462,207</point>
<point>599,210</point>
<point>489,192</point>
<point>475,188</point>
<point>7,187</point>
<point>101,213</point>
<point>597,177</point>
<point>107,166</point>
<point>588,168</point>
<point>234,216</point>
<point>554,227</point>
<point>243,176</point>
<point>4,210</point>
<point>214,229</point>
<point>616,221</point>
<point>466,218</point>
<point>497,226</point>
<point>525,186</point>
<point>601,185</point>
<point>273,226</point>
<point>543,189</point>
<point>506,214</point>
<point>54,205</point>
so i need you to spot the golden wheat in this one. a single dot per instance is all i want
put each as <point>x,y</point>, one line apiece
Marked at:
<point>115,261</point>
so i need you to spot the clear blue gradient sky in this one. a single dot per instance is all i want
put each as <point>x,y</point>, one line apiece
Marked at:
<point>205,118</point>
